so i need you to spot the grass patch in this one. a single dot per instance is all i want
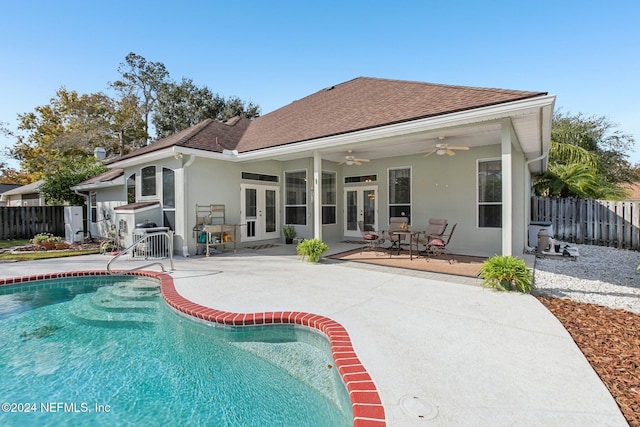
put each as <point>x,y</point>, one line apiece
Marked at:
<point>9,243</point>
<point>32,256</point>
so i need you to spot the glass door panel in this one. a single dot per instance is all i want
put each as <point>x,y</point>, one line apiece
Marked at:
<point>270,210</point>
<point>259,212</point>
<point>351,209</point>
<point>360,204</point>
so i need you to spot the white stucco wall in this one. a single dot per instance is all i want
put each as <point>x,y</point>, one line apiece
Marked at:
<point>442,187</point>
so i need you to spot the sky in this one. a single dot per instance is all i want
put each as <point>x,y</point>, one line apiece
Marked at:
<point>271,53</point>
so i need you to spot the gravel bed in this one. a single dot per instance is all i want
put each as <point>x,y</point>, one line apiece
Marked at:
<point>601,275</point>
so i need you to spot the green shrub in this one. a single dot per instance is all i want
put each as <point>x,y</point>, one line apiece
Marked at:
<point>506,273</point>
<point>312,248</point>
<point>46,238</point>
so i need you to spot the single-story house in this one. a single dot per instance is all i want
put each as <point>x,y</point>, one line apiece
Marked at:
<point>6,187</point>
<point>367,149</point>
<point>25,195</point>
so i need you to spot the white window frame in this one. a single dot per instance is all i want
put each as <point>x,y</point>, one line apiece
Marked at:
<point>410,204</point>
<point>164,207</point>
<point>477,191</point>
<point>306,201</point>
<point>335,193</point>
<point>153,196</point>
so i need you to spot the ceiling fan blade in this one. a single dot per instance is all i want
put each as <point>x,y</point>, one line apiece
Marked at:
<point>429,153</point>
<point>362,160</point>
<point>459,148</point>
<point>451,153</point>
<point>357,162</point>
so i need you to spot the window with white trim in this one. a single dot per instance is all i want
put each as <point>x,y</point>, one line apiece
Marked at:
<point>329,191</point>
<point>400,192</point>
<point>93,204</point>
<point>169,198</point>
<point>489,193</point>
<point>131,188</point>
<point>148,183</point>
<point>295,207</point>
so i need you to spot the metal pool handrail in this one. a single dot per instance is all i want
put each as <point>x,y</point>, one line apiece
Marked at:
<point>168,235</point>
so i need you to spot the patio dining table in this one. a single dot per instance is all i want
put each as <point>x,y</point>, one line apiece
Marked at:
<point>402,234</point>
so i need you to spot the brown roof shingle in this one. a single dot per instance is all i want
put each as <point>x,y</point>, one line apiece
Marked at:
<point>361,103</point>
<point>209,135</point>
<point>365,103</point>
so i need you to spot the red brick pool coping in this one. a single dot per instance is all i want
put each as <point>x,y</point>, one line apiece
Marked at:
<point>365,400</point>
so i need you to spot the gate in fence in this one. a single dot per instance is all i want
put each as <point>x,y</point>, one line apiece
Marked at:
<point>592,222</point>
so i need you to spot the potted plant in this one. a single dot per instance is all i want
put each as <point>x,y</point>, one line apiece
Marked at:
<point>312,248</point>
<point>506,273</point>
<point>289,233</point>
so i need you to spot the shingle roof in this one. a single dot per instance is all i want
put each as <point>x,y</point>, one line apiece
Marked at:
<point>209,135</point>
<point>107,176</point>
<point>365,103</point>
<point>361,103</point>
<point>32,188</point>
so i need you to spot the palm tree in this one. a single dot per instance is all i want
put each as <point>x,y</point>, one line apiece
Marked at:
<point>573,172</point>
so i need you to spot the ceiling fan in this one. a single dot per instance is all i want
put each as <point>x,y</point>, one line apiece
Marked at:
<point>442,149</point>
<point>350,159</point>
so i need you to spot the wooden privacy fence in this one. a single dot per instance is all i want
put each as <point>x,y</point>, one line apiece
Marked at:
<point>592,222</point>
<point>24,222</point>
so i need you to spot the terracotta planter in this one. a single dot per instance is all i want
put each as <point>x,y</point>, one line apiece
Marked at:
<point>47,246</point>
<point>61,246</point>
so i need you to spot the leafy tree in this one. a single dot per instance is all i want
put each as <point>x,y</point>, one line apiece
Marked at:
<point>587,159</point>
<point>129,125</point>
<point>183,105</point>
<point>608,145</point>
<point>70,127</point>
<point>141,79</point>
<point>57,184</point>
<point>12,176</point>
<point>234,106</point>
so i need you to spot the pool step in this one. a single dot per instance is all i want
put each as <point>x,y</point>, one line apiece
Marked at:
<point>104,299</point>
<point>131,293</point>
<point>118,305</point>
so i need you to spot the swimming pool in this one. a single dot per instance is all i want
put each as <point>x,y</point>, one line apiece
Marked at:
<point>136,361</point>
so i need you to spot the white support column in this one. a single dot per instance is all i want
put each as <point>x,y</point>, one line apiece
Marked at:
<point>181,189</point>
<point>507,188</point>
<point>317,196</point>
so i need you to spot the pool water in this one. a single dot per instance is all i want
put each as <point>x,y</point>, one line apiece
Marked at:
<point>89,354</point>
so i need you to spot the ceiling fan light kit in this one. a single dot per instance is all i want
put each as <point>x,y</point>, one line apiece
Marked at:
<point>441,149</point>
<point>350,159</point>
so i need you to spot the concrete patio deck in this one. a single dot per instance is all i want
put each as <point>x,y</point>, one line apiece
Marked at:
<point>437,346</point>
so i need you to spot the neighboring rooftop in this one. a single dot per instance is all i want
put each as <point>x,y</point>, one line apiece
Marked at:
<point>34,187</point>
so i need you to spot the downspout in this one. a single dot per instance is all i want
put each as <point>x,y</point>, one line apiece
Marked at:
<point>185,246</point>
<point>526,171</point>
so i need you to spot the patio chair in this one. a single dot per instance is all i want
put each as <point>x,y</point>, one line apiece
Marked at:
<point>372,239</point>
<point>435,229</point>
<point>438,246</point>
<point>396,223</point>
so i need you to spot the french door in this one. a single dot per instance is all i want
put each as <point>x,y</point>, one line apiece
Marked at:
<point>259,212</point>
<point>360,204</point>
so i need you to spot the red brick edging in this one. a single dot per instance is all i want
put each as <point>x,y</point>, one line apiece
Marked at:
<point>365,400</point>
